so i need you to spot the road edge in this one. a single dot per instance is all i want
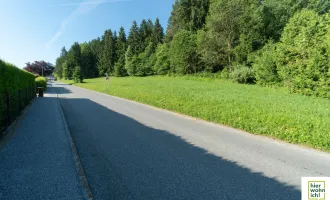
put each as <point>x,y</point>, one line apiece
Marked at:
<point>87,193</point>
<point>239,131</point>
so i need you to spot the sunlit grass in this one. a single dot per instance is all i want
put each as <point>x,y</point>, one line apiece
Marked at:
<point>264,111</point>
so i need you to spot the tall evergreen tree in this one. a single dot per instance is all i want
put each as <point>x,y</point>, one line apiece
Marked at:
<point>75,53</point>
<point>173,22</point>
<point>96,46</point>
<point>107,60</point>
<point>130,66</point>
<point>187,15</point>
<point>145,30</point>
<point>121,50</point>
<point>157,33</point>
<point>88,61</point>
<point>114,52</point>
<point>72,59</point>
<point>134,38</point>
<point>59,63</point>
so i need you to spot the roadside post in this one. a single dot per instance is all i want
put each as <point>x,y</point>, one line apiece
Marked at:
<point>107,78</point>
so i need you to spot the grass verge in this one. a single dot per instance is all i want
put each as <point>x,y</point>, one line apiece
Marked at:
<point>264,111</point>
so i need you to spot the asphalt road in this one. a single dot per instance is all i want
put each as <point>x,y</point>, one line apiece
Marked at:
<point>36,162</point>
<point>132,151</point>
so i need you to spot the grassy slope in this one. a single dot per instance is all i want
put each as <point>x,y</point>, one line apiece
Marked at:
<point>265,111</point>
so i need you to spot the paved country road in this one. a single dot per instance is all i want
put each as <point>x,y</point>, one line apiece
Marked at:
<point>132,151</point>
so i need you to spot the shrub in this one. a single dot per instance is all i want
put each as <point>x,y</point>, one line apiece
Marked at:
<point>303,58</point>
<point>264,65</point>
<point>224,74</point>
<point>41,82</point>
<point>243,74</point>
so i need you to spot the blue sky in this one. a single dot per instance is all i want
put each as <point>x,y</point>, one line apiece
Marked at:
<point>38,29</point>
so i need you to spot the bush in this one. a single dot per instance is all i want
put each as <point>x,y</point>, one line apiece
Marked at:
<point>243,74</point>
<point>224,74</point>
<point>264,65</point>
<point>303,55</point>
<point>41,82</point>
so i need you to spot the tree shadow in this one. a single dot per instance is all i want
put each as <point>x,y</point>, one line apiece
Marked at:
<point>58,90</point>
<point>63,84</point>
<point>124,159</point>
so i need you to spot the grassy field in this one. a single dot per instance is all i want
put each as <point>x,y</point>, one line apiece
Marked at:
<point>264,111</point>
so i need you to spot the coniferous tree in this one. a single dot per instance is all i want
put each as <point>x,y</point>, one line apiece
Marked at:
<point>173,22</point>
<point>187,15</point>
<point>133,39</point>
<point>129,64</point>
<point>106,62</point>
<point>77,75</point>
<point>75,53</point>
<point>114,47</point>
<point>59,63</point>
<point>72,59</point>
<point>157,34</point>
<point>145,34</point>
<point>121,51</point>
<point>88,61</point>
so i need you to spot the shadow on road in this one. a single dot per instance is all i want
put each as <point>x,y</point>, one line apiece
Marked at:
<point>124,159</point>
<point>58,90</point>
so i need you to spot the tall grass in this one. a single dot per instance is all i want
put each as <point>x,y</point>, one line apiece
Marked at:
<point>264,111</point>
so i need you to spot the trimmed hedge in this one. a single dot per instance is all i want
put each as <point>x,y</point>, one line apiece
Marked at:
<point>13,80</point>
<point>41,82</point>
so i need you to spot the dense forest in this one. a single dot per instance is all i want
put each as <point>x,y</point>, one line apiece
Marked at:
<point>283,43</point>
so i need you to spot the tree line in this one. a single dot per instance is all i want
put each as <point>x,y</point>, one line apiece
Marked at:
<point>266,42</point>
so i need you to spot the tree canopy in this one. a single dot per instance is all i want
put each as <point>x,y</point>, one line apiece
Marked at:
<point>268,42</point>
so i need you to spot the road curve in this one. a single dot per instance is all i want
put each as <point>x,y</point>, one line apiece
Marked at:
<point>133,151</point>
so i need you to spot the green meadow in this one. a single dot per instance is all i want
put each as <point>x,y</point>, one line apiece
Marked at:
<point>264,111</point>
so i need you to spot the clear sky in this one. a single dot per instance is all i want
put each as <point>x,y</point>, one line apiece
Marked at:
<point>38,29</point>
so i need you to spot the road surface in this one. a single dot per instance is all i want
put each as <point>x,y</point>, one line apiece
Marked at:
<point>132,151</point>
<point>36,161</point>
